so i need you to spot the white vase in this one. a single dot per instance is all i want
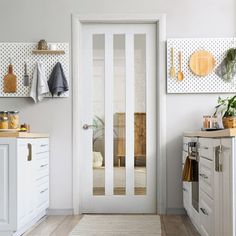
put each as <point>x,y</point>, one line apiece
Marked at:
<point>97,159</point>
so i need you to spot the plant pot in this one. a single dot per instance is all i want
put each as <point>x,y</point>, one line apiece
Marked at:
<point>97,160</point>
<point>229,122</point>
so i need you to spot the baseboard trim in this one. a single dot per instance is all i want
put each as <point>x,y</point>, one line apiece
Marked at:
<point>175,211</point>
<point>53,212</point>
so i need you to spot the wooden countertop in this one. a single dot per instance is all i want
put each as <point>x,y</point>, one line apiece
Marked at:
<point>22,135</point>
<point>212,134</point>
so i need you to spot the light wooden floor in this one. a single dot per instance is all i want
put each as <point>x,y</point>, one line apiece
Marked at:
<point>62,225</point>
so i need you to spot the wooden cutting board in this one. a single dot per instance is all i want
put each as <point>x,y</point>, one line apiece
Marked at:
<point>10,81</point>
<point>202,63</point>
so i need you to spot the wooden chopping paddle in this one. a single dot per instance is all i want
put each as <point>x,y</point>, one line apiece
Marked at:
<point>9,81</point>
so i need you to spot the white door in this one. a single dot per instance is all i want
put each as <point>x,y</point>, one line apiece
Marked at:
<point>118,122</point>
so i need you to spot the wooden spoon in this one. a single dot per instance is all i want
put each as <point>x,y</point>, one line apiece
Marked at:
<point>172,68</point>
<point>180,75</point>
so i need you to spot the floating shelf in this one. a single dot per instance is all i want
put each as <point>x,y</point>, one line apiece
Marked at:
<point>48,51</point>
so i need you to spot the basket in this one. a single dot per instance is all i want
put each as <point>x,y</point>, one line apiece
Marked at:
<point>229,122</point>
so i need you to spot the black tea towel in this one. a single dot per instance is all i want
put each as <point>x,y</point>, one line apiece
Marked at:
<point>57,82</point>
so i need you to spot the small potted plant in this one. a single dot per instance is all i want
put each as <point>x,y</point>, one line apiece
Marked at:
<point>98,133</point>
<point>227,108</point>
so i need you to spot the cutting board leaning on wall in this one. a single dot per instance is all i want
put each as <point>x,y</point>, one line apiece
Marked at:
<point>9,81</point>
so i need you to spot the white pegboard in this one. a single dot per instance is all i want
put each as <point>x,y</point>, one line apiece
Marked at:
<point>193,83</point>
<point>21,53</point>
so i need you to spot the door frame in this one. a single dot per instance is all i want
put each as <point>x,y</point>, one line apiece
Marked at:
<point>160,21</point>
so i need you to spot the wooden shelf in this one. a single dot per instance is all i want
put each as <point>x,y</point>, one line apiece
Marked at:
<point>212,134</point>
<point>23,135</point>
<point>48,51</point>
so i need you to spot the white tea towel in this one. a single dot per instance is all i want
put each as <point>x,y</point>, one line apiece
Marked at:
<point>39,85</point>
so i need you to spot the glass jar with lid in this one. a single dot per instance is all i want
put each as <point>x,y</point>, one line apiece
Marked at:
<point>4,122</point>
<point>3,114</point>
<point>14,120</point>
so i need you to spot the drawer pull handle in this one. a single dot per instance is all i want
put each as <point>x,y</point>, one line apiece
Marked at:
<point>218,165</point>
<point>204,176</point>
<point>184,189</point>
<point>43,165</point>
<point>43,191</point>
<point>29,158</point>
<point>43,145</point>
<point>204,211</point>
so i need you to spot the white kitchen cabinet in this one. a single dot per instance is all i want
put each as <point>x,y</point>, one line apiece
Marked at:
<point>24,183</point>
<point>217,186</point>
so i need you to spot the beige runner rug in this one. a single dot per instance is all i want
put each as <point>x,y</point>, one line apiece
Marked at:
<point>118,225</point>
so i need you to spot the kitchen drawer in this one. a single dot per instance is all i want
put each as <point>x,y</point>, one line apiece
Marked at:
<point>42,145</point>
<point>42,155</point>
<point>43,195</point>
<point>206,177</point>
<point>42,168</point>
<point>205,148</point>
<point>206,215</point>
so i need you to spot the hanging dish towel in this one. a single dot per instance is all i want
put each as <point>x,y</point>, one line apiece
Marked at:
<point>57,82</point>
<point>39,85</point>
<point>190,171</point>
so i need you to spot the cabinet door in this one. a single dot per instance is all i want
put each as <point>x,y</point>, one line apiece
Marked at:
<point>7,185</point>
<point>26,182</point>
<point>186,188</point>
<point>224,189</point>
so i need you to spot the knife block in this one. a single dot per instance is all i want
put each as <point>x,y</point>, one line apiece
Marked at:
<point>10,82</point>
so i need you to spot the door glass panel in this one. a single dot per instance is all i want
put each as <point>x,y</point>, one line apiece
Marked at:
<point>140,169</point>
<point>98,92</point>
<point>119,114</point>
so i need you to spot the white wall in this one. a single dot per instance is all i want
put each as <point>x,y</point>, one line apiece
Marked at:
<point>31,20</point>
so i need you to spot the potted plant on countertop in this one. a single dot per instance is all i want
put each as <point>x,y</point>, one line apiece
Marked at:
<point>98,133</point>
<point>227,108</point>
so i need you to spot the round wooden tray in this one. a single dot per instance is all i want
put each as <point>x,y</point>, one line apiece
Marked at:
<point>202,63</point>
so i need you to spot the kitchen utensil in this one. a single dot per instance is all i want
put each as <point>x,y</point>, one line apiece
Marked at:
<point>26,76</point>
<point>202,63</point>
<point>180,75</point>
<point>172,68</point>
<point>9,81</point>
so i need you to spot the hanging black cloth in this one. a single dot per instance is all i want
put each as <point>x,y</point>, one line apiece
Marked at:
<point>57,82</point>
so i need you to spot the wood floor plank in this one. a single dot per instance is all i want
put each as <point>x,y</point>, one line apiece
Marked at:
<point>47,226</point>
<point>189,226</point>
<point>66,226</point>
<point>174,226</point>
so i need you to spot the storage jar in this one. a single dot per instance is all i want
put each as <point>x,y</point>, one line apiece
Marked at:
<point>14,120</point>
